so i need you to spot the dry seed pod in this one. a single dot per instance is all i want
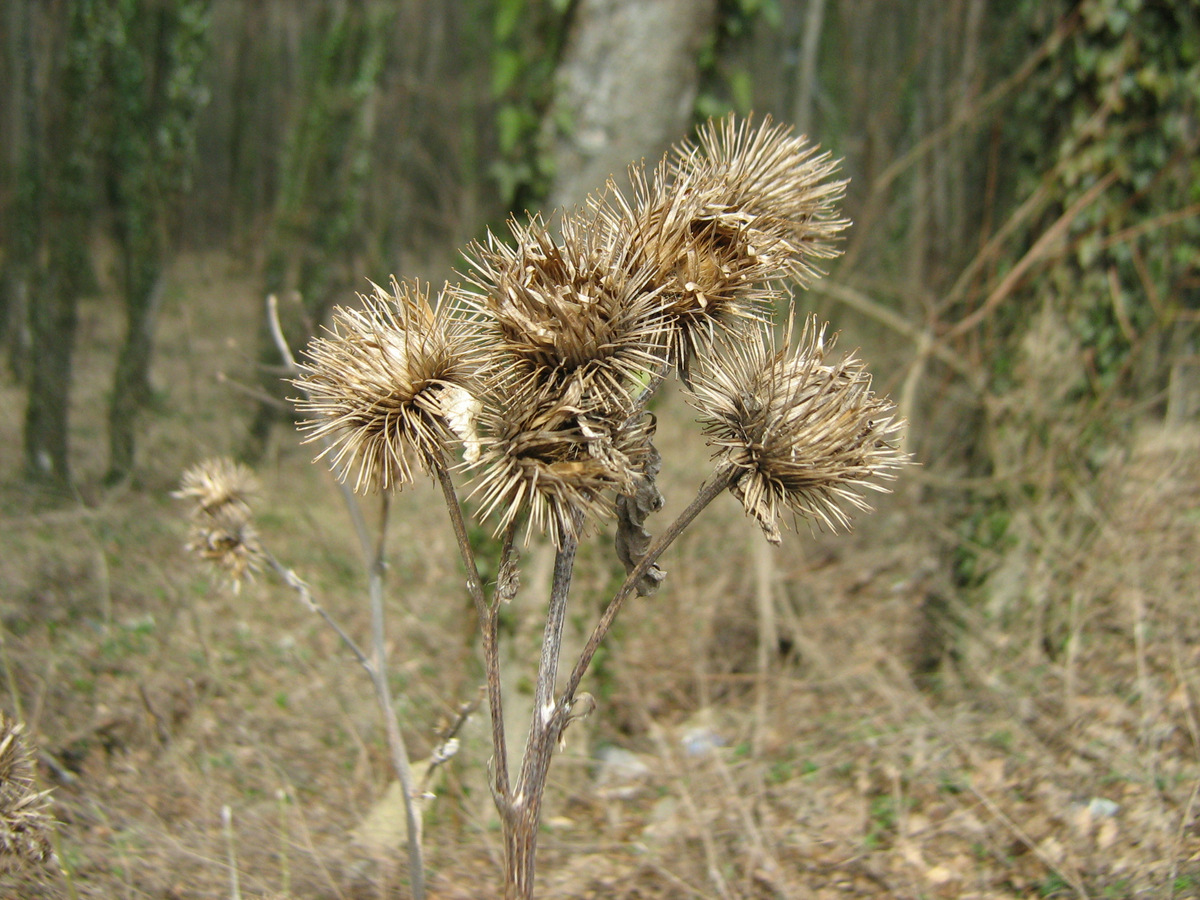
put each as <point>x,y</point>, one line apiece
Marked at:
<point>25,820</point>
<point>806,436</point>
<point>215,484</point>
<point>720,223</point>
<point>558,460</point>
<point>221,533</point>
<point>571,312</point>
<point>390,387</point>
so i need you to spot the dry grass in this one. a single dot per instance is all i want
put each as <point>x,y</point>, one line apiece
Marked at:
<point>887,739</point>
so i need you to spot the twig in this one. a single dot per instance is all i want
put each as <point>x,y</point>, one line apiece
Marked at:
<point>768,634</point>
<point>1180,832</point>
<point>285,870</point>
<point>721,479</point>
<point>399,752</point>
<point>489,616</point>
<point>1032,255</point>
<point>276,327</point>
<point>253,393</point>
<point>235,892</point>
<point>711,857</point>
<point>522,810</point>
<point>292,580</point>
<point>374,560</point>
<point>860,302</point>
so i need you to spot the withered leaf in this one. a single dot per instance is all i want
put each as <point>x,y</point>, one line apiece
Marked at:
<point>633,540</point>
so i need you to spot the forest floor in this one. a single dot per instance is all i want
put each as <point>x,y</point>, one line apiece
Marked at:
<point>828,719</point>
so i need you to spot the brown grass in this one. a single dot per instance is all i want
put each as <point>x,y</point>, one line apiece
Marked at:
<point>890,740</point>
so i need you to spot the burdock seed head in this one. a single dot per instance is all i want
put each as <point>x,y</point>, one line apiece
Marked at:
<point>722,222</point>
<point>564,313</point>
<point>228,541</point>
<point>217,483</point>
<point>805,436</point>
<point>559,458</point>
<point>390,387</point>
<point>707,278</point>
<point>773,184</point>
<point>221,533</point>
<point>25,820</point>
<point>573,332</point>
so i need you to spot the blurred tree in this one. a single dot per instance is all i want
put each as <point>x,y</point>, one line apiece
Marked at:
<point>317,232</point>
<point>151,62</point>
<point>625,88</point>
<point>22,122</point>
<point>1072,310</point>
<point>49,267</point>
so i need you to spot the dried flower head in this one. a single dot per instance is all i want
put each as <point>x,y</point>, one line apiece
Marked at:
<point>221,531</point>
<point>571,310</point>
<point>392,385</point>
<point>721,222</point>
<point>227,540</point>
<point>769,185</point>
<point>556,457</point>
<point>707,277</point>
<point>805,436</point>
<point>216,483</point>
<point>25,820</point>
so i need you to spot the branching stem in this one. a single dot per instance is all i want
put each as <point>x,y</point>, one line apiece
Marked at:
<point>721,479</point>
<point>489,617</point>
<point>375,561</point>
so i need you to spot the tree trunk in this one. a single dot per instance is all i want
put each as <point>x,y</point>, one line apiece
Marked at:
<point>153,61</point>
<point>627,87</point>
<point>47,444</point>
<point>806,77</point>
<point>22,209</point>
<point>131,381</point>
<point>64,224</point>
<point>317,227</point>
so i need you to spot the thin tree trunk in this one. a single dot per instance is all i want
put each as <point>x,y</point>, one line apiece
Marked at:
<point>53,320</point>
<point>131,381</point>
<point>68,210</point>
<point>627,87</point>
<point>22,235</point>
<point>806,77</point>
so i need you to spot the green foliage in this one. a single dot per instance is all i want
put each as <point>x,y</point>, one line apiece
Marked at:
<point>726,83</point>
<point>984,536</point>
<point>526,43</point>
<point>1118,99</point>
<point>326,165</point>
<point>1099,149</point>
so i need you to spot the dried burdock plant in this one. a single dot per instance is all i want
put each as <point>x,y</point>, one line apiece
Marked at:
<point>803,436</point>
<point>770,187</point>
<point>218,484</point>
<point>531,380</point>
<point>390,387</point>
<point>222,533</point>
<point>557,463</point>
<point>25,820</point>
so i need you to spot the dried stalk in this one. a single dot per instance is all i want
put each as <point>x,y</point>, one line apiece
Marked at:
<point>489,620</point>
<point>375,562</point>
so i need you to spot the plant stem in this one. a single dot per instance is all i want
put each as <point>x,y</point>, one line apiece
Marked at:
<point>521,814</point>
<point>399,752</point>
<point>489,619</point>
<point>292,580</point>
<point>374,560</point>
<point>721,479</point>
